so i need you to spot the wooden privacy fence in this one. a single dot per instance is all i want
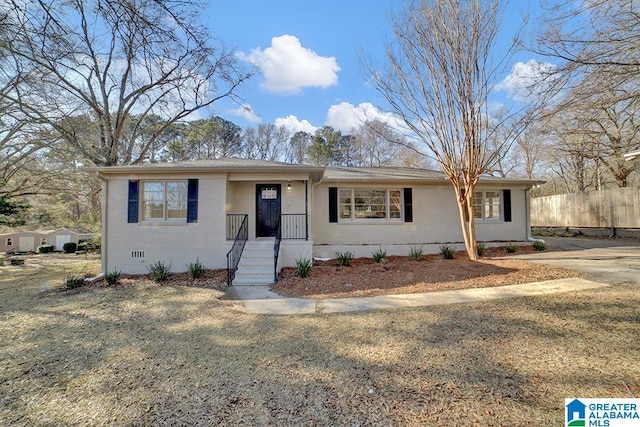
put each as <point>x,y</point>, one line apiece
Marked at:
<point>614,208</point>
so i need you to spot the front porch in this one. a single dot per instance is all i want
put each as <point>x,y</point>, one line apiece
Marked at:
<point>264,256</point>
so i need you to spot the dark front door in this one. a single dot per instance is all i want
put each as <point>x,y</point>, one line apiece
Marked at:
<point>267,209</point>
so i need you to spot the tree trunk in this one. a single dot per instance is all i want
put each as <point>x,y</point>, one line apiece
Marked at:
<point>464,199</point>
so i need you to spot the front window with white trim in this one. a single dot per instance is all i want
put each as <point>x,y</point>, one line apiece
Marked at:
<point>487,204</point>
<point>164,200</point>
<point>370,204</point>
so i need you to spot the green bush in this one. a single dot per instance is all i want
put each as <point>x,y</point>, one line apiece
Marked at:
<point>512,248</point>
<point>159,271</point>
<point>69,248</point>
<point>379,256</point>
<point>196,269</point>
<point>344,258</point>
<point>303,267</point>
<point>481,248</point>
<point>539,246</point>
<point>74,282</point>
<point>112,278</point>
<point>446,252</point>
<point>415,253</point>
<point>45,249</point>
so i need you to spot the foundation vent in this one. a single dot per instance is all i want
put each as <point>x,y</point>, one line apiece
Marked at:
<point>137,254</point>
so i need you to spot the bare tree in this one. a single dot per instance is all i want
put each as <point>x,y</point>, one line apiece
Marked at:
<point>296,151</point>
<point>595,33</point>
<point>21,141</point>
<point>117,62</point>
<point>266,142</point>
<point>441,71</point>
<point>213,138</point>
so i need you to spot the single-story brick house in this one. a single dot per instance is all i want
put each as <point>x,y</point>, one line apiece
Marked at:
<point>179,212</point>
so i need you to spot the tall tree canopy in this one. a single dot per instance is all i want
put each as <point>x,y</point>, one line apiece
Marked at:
<point>441,70</point>
<point>118,63</point>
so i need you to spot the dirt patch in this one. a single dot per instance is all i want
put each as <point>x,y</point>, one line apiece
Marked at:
<point>402,275</point>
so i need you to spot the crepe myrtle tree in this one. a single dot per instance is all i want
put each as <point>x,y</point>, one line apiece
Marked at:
<point>116,63</point>
<point>441,68</point>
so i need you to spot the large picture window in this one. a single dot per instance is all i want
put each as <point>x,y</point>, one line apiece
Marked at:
<point>164,200</point>
<point>369,204</point>
<point>486,204</point>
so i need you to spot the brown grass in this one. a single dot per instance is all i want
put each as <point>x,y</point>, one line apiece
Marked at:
<point>175,355</point>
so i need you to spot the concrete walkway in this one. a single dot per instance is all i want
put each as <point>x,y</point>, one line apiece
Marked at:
<point>260,300</point>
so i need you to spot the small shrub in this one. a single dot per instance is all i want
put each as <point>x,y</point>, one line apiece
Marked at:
<point>539,246</point>
<point>344,258</point>
<point>303,267</point>
<point>512,248</point>
<point>159,271</point>
<point>74,282</point>
<point>196,269</point>
<point>379,256</point>
<point>415,253</point>
<point>112,278</point>
<point>69,248</point>
<point>45,249</point>
<point>446,252</point>
<point>481,248</point>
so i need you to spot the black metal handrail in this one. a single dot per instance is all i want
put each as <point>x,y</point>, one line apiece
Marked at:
<point>234,221</point>
<point>294,226</point>
<point>276,250</point>
<point>234,254</point>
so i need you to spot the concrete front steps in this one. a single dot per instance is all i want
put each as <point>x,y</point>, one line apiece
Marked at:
<point>256,264</point>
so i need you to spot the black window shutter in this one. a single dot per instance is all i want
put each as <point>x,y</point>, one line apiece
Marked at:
<point>192,200</point>
<point>408,205</point>
<point>506,197</point>
<point>333,204</point>
<point>132,205</point>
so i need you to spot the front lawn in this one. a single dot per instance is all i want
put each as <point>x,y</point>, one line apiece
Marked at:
<point>176,355</point>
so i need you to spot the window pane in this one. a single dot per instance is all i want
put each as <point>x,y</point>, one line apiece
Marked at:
<point>153,200</point>
<point>477,204</point>
<point>176,200</point>
<point>492,205</point>
<point>395,204</point>
<point>345,204</point>
<point>370,204</point>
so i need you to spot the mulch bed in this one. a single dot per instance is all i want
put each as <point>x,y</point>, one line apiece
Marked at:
<point>400,275</point>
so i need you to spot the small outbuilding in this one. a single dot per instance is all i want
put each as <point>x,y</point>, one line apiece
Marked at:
<point>23,241</point>
<point>59,237</point>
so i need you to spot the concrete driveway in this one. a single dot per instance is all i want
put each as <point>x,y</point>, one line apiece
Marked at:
<point>611,261</point>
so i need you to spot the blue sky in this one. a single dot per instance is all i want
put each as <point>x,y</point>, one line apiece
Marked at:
<point>308,52</point>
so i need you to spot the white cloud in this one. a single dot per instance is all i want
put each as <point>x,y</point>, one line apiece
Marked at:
<point>347,117</point>
<point>288,67</point>
<point>294,125</point>
<point>527,80</point>
<point>246,112</point>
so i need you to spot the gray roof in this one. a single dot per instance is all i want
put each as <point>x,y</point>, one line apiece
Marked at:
<point>381,174</point>
<point>327,174</point>
<point>224,164</point>
<point>399,174</point>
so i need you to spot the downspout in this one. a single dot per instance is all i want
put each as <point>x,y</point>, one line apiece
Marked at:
<point>527,206</point>
<point>104,228</point>
<point>313,196</point>
<point>306,209</point>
